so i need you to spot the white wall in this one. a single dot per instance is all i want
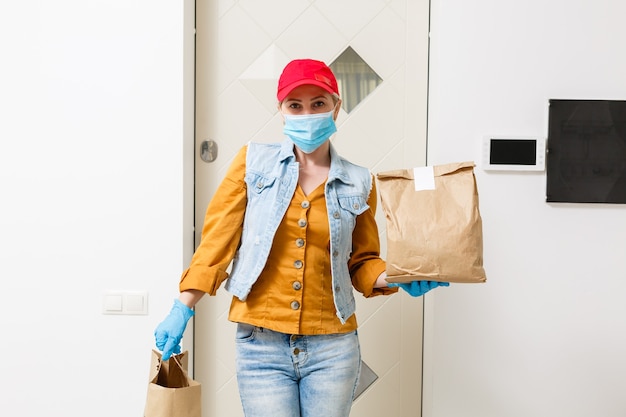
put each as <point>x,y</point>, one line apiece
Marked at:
<point>546,335</point>
<point>91,182</point>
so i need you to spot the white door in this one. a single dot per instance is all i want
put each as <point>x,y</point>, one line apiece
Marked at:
<point>241,47</point>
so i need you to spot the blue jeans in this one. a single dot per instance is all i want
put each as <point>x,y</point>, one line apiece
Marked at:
<point>282,375</point>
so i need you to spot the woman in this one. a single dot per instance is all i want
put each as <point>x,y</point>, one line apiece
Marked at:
<point>297,221</point>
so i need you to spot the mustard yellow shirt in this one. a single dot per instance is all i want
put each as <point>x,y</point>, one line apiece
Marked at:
<point>293,294</point>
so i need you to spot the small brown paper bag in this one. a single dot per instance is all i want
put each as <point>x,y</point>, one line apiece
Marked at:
<point>434,227</point>
<point>171,393</point>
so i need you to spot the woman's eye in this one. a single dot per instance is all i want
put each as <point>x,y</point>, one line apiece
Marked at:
<point>319,104</point>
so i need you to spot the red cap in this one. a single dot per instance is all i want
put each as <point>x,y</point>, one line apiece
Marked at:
<point>306,71</point>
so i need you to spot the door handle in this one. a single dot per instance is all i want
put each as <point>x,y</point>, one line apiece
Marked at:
<point>208,150</point>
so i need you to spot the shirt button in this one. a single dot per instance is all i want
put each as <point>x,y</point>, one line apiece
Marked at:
<point>298,264</point>
<point>296,285</point>
<point>305,204</point>
<point>335,253</point>
<point>356,206</point>
<point>337,288</point>
<point>299,242</point>
<point>296,351</point>
<point>336,215</point>
<point>302,222</point>
<point>259,185</point>
<point>295,305</point>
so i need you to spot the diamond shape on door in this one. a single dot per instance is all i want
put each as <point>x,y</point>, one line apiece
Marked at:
<point>356,79</point>
<point>367,378</point>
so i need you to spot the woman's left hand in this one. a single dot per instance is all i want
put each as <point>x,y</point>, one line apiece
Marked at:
<point>418,288</point>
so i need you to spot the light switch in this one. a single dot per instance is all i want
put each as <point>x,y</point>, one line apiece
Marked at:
<point>134,303</point>
<point>125,302</point>
<point>112,303</point>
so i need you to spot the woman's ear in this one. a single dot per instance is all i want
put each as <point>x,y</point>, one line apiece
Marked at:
<point>337,108</point>
<point>279,107</point>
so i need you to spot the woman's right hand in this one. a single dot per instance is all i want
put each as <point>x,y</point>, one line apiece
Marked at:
<point>170,331</point>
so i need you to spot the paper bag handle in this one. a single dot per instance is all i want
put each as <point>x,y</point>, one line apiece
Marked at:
<point>185,381</point>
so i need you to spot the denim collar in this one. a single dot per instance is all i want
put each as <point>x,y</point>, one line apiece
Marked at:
<point>337,163</point>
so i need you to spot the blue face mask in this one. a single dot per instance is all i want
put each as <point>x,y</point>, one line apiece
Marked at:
<point>309,131</point>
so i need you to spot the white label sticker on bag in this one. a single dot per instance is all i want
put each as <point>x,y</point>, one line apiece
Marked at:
<point>424,178</point>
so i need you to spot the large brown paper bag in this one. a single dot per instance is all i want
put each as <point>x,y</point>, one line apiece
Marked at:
<point>434,228</point>
<point>171,393</point>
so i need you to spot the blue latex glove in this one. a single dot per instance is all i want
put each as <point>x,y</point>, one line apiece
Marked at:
<point>170,331</point>
<point>417,288</point>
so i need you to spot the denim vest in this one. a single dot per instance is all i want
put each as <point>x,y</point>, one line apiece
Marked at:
<point>271,178</point>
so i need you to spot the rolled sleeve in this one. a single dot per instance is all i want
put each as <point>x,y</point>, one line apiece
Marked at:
<point>365,263</point>
<point>221,232</point>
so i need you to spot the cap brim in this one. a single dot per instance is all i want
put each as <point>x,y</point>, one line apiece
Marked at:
<point>284,92</point>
